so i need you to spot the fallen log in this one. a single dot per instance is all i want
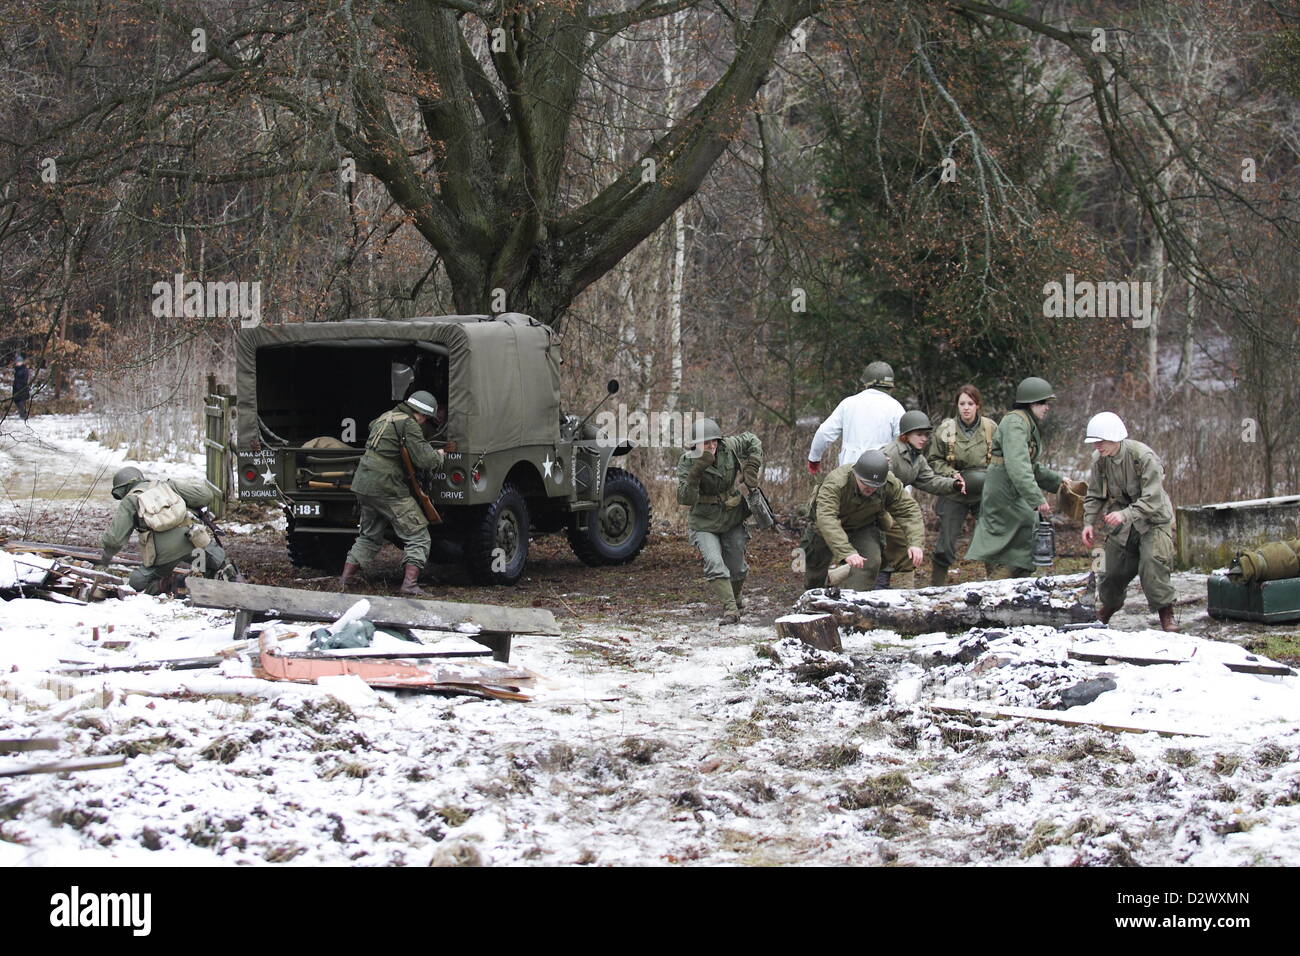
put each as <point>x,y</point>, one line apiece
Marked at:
<point>61,766</point>
<point>20,744</point>
<point>1054,600</point>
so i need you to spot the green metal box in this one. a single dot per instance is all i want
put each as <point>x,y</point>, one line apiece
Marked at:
<point>1272,602</point>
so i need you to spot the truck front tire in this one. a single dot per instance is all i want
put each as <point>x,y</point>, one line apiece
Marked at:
<point>617,531</point>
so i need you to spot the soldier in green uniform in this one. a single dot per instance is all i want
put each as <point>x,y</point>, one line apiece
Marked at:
<point>847,518</point>
<point>907,463</point>
<point>962,445</point>
<point>1127,490</point>
<point>706,476</point>
<point>1014,486</point>
<point>383,494</point>
<point>162,549</point>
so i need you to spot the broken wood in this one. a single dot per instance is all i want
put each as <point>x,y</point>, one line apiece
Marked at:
<point>177,664</point>
<point>126,558</point>
<point>21,744</point>
<point>1055,600</point>
<point>489,624</point>
<point>971,709</point>
<point>86,763</point>
<point>815,630</point>
<point>391,674</point>
<point>1105,657</point>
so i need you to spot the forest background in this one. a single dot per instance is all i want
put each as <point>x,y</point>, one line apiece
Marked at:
<point>730,207</point>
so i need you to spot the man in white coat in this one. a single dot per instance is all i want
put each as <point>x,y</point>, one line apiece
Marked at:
<point>865,421</point>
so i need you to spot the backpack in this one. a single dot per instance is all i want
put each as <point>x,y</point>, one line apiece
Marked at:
<point>159,507</point>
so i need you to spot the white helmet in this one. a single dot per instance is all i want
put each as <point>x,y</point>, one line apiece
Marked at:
<point>1105,426</point>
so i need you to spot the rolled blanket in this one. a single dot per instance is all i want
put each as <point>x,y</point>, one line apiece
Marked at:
<point>1269,562</point>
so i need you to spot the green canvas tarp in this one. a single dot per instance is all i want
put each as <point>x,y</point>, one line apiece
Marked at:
<point>503,372</point>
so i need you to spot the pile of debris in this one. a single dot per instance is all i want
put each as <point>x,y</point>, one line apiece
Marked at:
<point>55,573</point>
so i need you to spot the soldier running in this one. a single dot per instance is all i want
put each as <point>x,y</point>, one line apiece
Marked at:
<point>846,524</point>
<point>159,512</point>
<point>706,475</point>
<point>866,420</point>
<point>907,463</point>
<point>1013,489</point>
<point>383,495</point>
<point>1127,490</point>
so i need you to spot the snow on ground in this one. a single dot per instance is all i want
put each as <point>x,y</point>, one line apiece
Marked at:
<point>650,742</point>
<point>51,471</point>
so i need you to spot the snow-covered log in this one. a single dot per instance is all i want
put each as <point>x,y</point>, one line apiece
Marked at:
<point>815,630</point>
<point>1057,600</point>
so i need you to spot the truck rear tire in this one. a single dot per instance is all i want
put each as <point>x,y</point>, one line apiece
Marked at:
<point>496,548</point>
<point>617,531</point>
<point>322,551</point>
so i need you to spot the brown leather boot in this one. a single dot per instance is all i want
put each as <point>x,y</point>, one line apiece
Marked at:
<point>409,585</point>
<point>938,575</point>
<point>350,570</point>
<point>1167,619</point>
<point>1105,613</point>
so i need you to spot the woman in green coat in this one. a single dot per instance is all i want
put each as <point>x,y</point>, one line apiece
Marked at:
<point>1013,489</point>
<point>963,445</point>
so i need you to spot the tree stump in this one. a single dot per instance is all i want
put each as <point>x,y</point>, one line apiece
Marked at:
<point>815,630</point>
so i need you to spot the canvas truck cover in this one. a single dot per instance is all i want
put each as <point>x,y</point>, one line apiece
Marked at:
<point>503,372</point>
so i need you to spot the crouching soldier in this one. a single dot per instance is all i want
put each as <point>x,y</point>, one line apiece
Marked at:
<point>1127,490</point>
<point>383,494</point>
<point>908,463</point>
<point>706,477</point>
<point>159,511</point>
<point>847,518</point>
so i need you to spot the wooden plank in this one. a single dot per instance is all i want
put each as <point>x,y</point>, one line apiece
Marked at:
<point>177,664</point>
<point>1272,670</point>
<point>971,709</point>
<point>295,604</point>
<point>86,763</point>
<point>13,746</point>
<point>1105,657</point>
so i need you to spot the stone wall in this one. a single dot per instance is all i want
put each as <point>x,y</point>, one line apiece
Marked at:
<point>1209,535</point>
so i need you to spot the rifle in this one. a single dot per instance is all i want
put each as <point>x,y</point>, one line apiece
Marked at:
<point>206,517</point>
<point>426,505</point>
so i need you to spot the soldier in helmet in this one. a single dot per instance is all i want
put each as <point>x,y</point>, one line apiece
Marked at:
<point>706,477</point>
<point>868,419</point>
<point>1127,490</point>
<point>846,524</point>
<point>962,445</point>
<point>383,495</point>
<point>1013,488</point>
<point>907,463</point>
<point>159,512</point>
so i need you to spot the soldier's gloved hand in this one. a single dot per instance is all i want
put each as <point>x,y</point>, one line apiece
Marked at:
<point>814,466</point>
<point>749,474</point>
<point>704,461</point>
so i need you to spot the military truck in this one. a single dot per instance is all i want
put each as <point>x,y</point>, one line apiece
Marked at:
<point>522,467</point>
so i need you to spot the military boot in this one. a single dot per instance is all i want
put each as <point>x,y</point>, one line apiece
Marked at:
<point>736,585</point>
<point>1167,619</point>
<point>882,580</point>
<point>411,575</point>
<point>730,612</point>
<point>938,575</point>
<point>1105,613</point>
<point>350,569</point>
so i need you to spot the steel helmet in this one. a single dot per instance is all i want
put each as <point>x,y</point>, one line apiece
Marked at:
<point>872,467</point>
<point>1033,390</point>
<point>974,480</point>
<point>914,421</point>
<point>878,375</point>
<point>124,479</point>
<point>706,429</point>
<point>1105,426</point>
<point>423,402</point>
